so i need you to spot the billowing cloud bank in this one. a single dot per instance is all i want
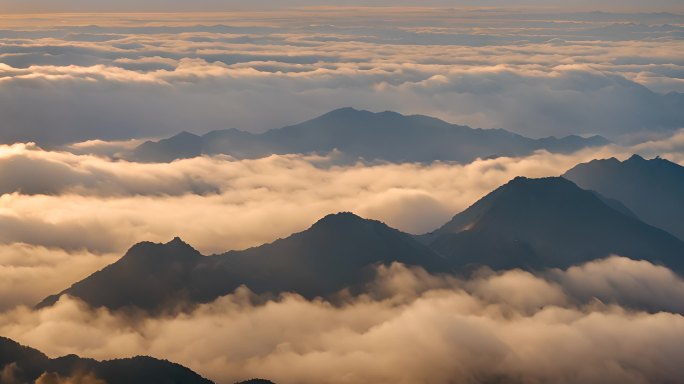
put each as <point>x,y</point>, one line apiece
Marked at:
<point>64,215</point>
<point>71,78</point>
<point>572,326</point>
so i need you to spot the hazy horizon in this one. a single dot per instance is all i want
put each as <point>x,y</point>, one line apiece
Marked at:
<point>228,5</point>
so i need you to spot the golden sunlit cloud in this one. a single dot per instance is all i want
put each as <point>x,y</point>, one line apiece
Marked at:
<point>86,210</point>
<point>411,327</point>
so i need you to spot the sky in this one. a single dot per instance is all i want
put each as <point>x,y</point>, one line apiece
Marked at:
<point>228,5</point>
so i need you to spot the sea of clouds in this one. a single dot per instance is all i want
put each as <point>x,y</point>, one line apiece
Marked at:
<point>69,78</point>
<point>64,215</point>
<point>76,90</point>
<point>582,325</point>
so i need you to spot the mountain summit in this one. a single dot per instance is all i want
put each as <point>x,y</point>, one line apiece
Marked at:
<point>335,253</point>
<point>548,223</point>
<point>527,223</point>
<point>653,189</point>
<point>21,364</point>
<point>148,275</point>
<point>387,136</point>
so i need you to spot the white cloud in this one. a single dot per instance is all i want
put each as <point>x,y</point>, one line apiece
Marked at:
<point>28,273</point>
<point>411,328</point>
<point>80,212</point>
<point>150,75</point>
<point>217,203</point>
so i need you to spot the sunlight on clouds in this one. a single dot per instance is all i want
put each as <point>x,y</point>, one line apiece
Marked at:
<point>30,273</point>
<point>217,203</point>
<point>150,75</point>
<point>506,326</point>
<point>77,212</point>
<point>236,204</point>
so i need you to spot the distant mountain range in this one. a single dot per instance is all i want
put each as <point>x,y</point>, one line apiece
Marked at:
<point>653,189</point>
<point>20,364</point>
<point>532,224</point>
<point>387,136</point>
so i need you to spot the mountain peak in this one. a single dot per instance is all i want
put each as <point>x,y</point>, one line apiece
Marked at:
<point>31,365</point>
<point>345,223</point>
<point>178,242</point>
<point>143,267</point>
<point>523,202</point>
<point>350,114</point>
<point>636,158</point>
<point>362,116</point>
<point>519,179</point>
<point>343,113</point>
<point>344,110</point>
<point>652,189</point>
<point>337,252</point>
<point>148,249</point>
<point>185,135</point>
<point>361,134</point>
<point>339,217</point>
<point>549,222</point>
<point>542,184</point>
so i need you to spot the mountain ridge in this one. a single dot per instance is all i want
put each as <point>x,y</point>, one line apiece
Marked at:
<point>360,134</point>
<point>25,364</point>
<point>532,224</point>
<point>652,189</point>
<point>549,223</point>
<point>335,253</point>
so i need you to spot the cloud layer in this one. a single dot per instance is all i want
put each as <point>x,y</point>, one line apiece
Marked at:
<point>410,328</point>
<point>88,202</point>
<point>64,215</point>
<point>117,77</point>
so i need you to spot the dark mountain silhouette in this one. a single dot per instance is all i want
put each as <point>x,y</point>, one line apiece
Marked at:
<point>337,252</point>
<point>653,189</point>
<point>549,222</point>
<point>181,146</point>
<point>527,223</point>
<point>149,275</point>
<point>387,136</point>
<point>20,364</point>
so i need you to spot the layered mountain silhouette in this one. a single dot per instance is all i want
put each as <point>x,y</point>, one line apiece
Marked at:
<point>527,223</point>
<point>387,136</point>
<point>21,364</point>
<point>337,252</point>
<point>653,189</point>
<point>549,223</point>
